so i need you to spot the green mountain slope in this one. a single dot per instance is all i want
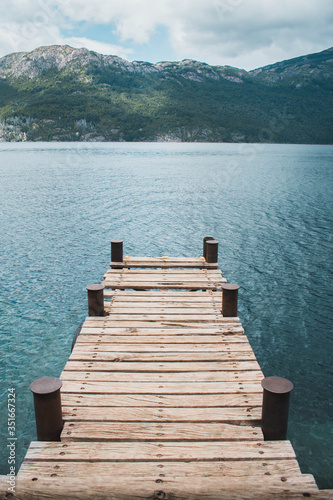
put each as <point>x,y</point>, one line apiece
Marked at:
<point>63,94</point>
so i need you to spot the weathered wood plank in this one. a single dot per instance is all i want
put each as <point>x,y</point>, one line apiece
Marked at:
<point>163,285</point>
<point>227,333</point>
<point>199,307</point>
<point>204,281</point>
<point>160,367</point>
<point>107,321</point>
<point>168,316</point>
<point>164,414</point>
<point>142,338</point>
<point>163,278</point>
<point>198,376</point>
<point>143,311</point>
<point>163,324</point>
<point>162,274</point>
<point>160,388</point>
<point>184,295</point>
<point>178,400</point>
<point>156,275</point>
<point>195,271</point>
<point>225,348</point>
<point>110,322</point>
<point>155,451</point>
<point>164,296</point>
<point>238,469</point>
<point>163,258</point>
<point>166,263</point>
<point>160,431</point>
<point>79,353</point>
<point>175,302</point>
<point>116,488</point>
<point>287,469</point>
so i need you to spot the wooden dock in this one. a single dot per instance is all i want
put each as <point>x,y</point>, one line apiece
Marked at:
<point>161,399</point>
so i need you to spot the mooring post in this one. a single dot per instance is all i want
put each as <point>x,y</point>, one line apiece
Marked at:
<point>47,404</point>
<point>117,253</point>
<point>95,300</point>
<point>275,407</point>
<point>229,300</point>
<point>206,238</point>
<point>211,251</point>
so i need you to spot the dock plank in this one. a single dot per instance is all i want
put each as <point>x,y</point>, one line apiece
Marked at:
<point>225,349</point>
<point>142,338</point>
<point>161,366</point>
<point>159,431</point>
<point>179,377</point>
<point>173,400</point>
<point>159,451</point>
<point>164,414</point>
<point>82,354</point>
<point>160,387</point>
<point>232,330</point>
<point>182,488</point>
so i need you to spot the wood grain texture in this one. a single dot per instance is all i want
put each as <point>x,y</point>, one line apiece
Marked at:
<point>158,451</point>
<point>159,431</point>
<point>152,400</point>
<point>179,377</point>
<point>161,366</point>
<point>92,387</point>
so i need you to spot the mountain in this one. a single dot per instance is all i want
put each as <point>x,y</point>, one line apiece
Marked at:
<point>58,93</point>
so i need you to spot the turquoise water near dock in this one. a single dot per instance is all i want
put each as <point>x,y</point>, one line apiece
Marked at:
<point>269,206</point>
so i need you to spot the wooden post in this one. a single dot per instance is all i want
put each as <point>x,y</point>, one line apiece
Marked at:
<point>211,251</point>
<point>47,404</point>
<point>275,408</point>
<point>229,300</point>
<point>206,238</point>
<point>95,300</point>
<point>117,253</point>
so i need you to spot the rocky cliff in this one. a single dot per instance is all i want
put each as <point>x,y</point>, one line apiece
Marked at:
<point>58,93</point>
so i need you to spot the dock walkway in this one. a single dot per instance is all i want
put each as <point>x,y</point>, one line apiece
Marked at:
<point>161,399</point>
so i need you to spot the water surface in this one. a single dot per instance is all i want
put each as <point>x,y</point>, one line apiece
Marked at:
<point>270,207</point>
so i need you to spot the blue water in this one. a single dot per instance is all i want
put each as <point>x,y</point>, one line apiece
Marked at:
<point>270,207</point>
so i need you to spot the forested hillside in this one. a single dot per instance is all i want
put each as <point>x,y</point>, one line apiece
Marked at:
<point>58,93</point>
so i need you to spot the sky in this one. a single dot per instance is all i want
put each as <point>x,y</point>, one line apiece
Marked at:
<point>245,34</point>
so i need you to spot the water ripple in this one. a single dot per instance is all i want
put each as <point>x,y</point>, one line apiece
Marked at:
<point>271,211</point>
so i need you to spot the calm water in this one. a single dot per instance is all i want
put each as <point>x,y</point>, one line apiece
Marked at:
<point>270,207</point>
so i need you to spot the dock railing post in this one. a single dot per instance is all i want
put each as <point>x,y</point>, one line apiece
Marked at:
<point>47,403</point>
<point>117,254</point>
<point>204,252</point>
<point>211,251</point>
<point>275,407</point>
<point>229,300</point>
<point>95,300</point>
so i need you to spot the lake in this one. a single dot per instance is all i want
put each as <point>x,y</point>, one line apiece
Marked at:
<point>269,206</point>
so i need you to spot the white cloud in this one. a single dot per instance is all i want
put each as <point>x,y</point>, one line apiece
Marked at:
<point>253,33</point>
<point>100,47</point>
<point>24,37</point>
<point>243,33</point>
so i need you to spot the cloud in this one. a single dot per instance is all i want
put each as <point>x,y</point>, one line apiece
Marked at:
<point>242,33</point>
<point>253,33</point>
<point>17,37</point>
<point>100,47</point>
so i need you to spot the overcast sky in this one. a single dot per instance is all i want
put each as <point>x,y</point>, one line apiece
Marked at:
<point>242,33</point>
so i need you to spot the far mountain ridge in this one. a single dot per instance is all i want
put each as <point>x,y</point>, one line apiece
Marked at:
<point>60,93</point>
